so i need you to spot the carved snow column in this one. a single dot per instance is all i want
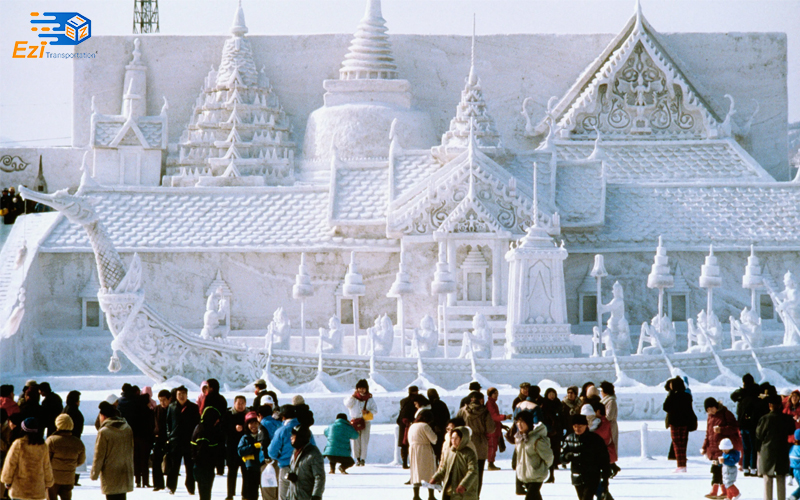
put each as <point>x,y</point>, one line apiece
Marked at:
<point>353,289</point>
<point>710,279</point>
<point>442,285</point>
<point>402,286</point>
<point>301,290</point>
<point>752,279</point>
<point>134,103</point>
<point>536,321</point>
<point>598,273</point>
<point>221,286</point>
<point>660,278</point>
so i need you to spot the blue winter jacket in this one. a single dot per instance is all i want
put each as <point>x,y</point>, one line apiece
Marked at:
<point>271,425</point>
<point>253,457</point>
<point>339,435</point>
<point>280,449</point>
<point>731,457</point>
<point>794,453</point>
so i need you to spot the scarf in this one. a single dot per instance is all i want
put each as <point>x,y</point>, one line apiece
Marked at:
<point>363,398</point>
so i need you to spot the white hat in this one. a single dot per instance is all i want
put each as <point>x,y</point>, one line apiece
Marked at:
<point>112,398</point>
<point>587,411</point>
<point>725,444</point>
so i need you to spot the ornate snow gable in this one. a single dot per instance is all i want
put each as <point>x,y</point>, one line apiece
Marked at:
<point>238,133</point>
<point>359,192</point>
<point>471,112</point>
<point>471,216</point>
<point>634,90</point>
<point>425,207</point>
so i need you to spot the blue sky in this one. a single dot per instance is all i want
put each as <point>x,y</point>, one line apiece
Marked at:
<point>36,95</point>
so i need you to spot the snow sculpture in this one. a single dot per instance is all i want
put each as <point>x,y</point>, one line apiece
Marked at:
<point>616,336</point>
<point>354,288</point>
<point>238,134</point>
<point>659,335</point>
<point>381,336</point>
<point>279,331</point>
<point>331,341</point>
<point>216,309</point>
<point>787,303</point>
<point>401,287</point>
<point>746,331</point>
<point>479,343</point>
<point>443,284</point>
<point>426,338</point>
<point>706,335</point>
<point>301,290</point>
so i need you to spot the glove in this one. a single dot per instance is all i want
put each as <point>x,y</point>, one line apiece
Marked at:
<point>292,477</point>
<point>257,445</point>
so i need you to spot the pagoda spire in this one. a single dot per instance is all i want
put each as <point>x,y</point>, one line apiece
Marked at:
<point>370,54</point>
<point>473,78</point>
<point>239,28</point>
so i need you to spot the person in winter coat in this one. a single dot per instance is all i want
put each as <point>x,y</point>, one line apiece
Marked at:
<point>113,454</point>
<point>458,470</point>
<point>404,420</point>
<point>588,456</point>
<point>52,406</point>
<point>214,399</point>
<point>251,450</point>
<point>554,421</point>
<point>480,422</point>
<point>494,439</point>
<point>280,448</point>
<point>452,425</point>
<point>791,407</point>
<point>747,415</point>
<point>205,450</point>
<point>27,470</point>
<point>421,439</point>
<point>772,432</point>
<point>570,406</point>
<point>794,463</point>
<point>680,418</point>
<point>473,387</point>
<point>307,468</point>
<point>599,424</point>
<point>441,415</point>
<point>729,461</point>
<point>182,417</point>
<point>72,408</point>
<point>361,405</point>
<point>609,400</point>
<point>337,449</point>
<point>524,389</point>
<point>233,428</point>
<point>534,455</point>
<point>720,424</point>
<point>66,454</point>
<point>7,402</point>
<point>262,392</point>
<point>160,438</point>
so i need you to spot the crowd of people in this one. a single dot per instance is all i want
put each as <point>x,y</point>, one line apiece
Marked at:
<point>271,447</point>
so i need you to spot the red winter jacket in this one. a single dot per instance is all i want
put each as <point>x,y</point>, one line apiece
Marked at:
<point>792,411</point>
<point>498,418</point>
<point>729,428</point>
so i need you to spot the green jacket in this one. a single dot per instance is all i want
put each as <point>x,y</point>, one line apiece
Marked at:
<point>459,468</point>
<point>534,456</point>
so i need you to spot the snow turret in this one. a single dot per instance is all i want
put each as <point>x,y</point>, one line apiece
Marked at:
<point>370,54</point>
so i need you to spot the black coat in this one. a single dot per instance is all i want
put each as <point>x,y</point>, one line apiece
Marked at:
<point>216,400</point>
<point>749,408</point>
<point>441,415</point>
<point>205,446</point>
<point>772,436</point>
<point>52,406</point>
<point>588,456</point>
<point>181,421</point>
<point>160,424</point>
<point>406,416</point>
<point>261,394</point>
<point>77,420</point>
<point>232,436</point>
<point>678,407</point>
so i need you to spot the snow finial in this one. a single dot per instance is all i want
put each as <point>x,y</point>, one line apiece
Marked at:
<point>94,107</point>
<point>393,130</point>
<point>136,53</point>
<point>165,107</point>
<point>370,54</point>
<point>473,78</point>
<point>597,152</point>
<point>239,28</point>
<point>638,13</point>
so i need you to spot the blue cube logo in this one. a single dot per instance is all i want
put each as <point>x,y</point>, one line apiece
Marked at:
<point>62,28</point>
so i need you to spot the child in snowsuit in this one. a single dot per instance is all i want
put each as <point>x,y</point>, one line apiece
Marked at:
<point>730,461</point>
<point>794,463</point>
<point>251,449</point>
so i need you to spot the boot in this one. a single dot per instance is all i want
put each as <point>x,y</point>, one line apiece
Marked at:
<point>416,492</point>
<point>733,492</point>
<point>714,490</point>
<point>430,495</point>
<point>333,469</point>
<point>552,478</point>
<point>492,466</point>
<point>405,463</point>
<point>77,478</point>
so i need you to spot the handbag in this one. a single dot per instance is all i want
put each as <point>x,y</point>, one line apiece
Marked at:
<point>359,424</point>
<point>367,414</point>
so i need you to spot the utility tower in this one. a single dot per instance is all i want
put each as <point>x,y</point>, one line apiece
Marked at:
<point>145,16</point>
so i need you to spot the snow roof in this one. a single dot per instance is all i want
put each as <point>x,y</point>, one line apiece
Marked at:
<point>267,219</point>
<point>689,161</point>
<point>409,168</point>
<point>729,216</point>
<point>359,193</point>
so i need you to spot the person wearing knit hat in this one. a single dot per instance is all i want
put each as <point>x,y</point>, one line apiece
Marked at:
<point>252,451</point>
<point>280,447</point>
<point>307,468</point>
<point>730,463</point>
<point>113,453</point>
<point>587,454</point>
<point>27,465</point>
<point>67,453</point>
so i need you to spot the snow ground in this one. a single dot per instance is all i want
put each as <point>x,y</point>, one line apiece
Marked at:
<point>650,480</point>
